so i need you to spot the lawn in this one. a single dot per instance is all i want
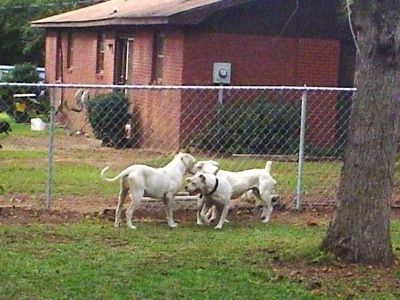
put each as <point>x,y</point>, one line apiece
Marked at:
<point>69,252</point>
<point>90,259</point>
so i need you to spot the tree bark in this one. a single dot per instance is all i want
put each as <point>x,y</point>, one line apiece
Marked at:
<point>360,228</point>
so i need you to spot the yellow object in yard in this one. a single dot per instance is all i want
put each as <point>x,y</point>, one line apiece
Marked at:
<point>20,106</point>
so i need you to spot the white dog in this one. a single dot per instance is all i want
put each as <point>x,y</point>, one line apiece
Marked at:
<point>259,181</point>
<point>215,191</point>
<point>160,183</point>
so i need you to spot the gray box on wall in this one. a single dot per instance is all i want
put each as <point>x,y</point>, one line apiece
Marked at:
<point>222,73</point>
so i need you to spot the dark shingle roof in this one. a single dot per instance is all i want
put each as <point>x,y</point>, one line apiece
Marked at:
<point>138,12</point>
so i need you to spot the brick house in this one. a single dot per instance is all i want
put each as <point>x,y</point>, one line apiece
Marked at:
<point>177,42</point>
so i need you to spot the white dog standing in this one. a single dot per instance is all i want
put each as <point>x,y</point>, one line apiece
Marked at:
<point>259,181</point>
<point>215,191</point>
<point>160,183</point>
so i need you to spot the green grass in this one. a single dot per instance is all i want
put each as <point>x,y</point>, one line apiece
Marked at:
<point>93,260</point>
<point>73,173</point>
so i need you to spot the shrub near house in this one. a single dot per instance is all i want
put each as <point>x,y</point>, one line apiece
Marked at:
<point>261,127</point>
<point>108,115</point>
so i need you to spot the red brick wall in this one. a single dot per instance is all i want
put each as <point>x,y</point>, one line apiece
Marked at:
<point>258,60</point>
<point>83,70</point>
<point>188,60</point>
<point>319,67</point>
<point>159,111</point>
<point>274,61</point>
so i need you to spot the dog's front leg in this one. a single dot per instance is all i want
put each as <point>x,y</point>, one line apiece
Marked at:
<point>169,210</point>
<point>200,203</point>
<point>204,210</point>
<point>213,213</point>
<point>266,213</point>
<point>222,218</point>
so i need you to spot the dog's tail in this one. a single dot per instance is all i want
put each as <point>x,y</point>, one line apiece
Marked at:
<point>103,174</point>
<point>268,166</point>
<point>119,176</point>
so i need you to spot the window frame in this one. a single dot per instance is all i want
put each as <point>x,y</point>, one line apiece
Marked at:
<point>100,52</point>
<point>159,42</point>
<point>70,50</point>
<point>59,58</point>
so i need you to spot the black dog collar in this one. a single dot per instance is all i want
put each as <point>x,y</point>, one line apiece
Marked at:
<point>215,187</point>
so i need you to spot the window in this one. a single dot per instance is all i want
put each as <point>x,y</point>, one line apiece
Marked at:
<point>59,57</point>
<point>100,53</point>
<point>158,57</point>
<point>70,50</point>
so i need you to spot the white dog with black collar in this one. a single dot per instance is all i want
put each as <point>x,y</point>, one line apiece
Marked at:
<point>214,190</point>
<point>259,181</point>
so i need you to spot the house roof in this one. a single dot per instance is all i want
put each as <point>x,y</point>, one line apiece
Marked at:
<point>138,12</point>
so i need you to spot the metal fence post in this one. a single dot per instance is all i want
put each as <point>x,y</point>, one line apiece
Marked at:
<point>301,145</point>
<point>51,149</point>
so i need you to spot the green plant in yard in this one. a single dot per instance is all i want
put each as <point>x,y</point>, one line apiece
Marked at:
<point>108,115</point>
<point>6,117</point>
<point>262,126</point>
<point>23,73</point>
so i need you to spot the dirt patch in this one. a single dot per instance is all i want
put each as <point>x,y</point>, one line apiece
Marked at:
<point>185,211</point>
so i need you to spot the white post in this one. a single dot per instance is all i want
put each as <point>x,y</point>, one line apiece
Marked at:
<point>220,97</point>
<point>301,146</point>
<point>51,148</point>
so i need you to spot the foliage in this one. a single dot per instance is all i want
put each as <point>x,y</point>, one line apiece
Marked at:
<point>268,127</point>
<point>108,115</point>
<point>26,43</point>
<point>24,73</point>
<point>6,117</point>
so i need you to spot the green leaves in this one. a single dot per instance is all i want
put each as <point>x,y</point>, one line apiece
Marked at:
<point>20,41</point>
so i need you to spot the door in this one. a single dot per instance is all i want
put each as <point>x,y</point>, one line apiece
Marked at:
<point>124,57</point>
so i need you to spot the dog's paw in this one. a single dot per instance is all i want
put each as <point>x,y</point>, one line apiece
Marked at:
<point>264,220</point>
<point>173,225</point>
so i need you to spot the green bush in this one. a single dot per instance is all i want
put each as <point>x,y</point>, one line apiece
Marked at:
<point>261,127</point>
<point>22,73</point>
<point>108,114</point>
<point>25,72</point>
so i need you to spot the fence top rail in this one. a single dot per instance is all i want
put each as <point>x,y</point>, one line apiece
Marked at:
<point>174,87</point>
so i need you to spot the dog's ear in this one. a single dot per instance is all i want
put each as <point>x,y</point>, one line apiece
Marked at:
<point>188,179</point>
<point>187,159</point>
<point>214,162</point>
<point>203,178</point>
<point>200,165</point>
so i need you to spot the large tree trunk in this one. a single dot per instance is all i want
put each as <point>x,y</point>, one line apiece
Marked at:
<point>360,228</point>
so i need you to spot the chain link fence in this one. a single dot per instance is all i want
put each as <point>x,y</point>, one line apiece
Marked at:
<point>58,145</point>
